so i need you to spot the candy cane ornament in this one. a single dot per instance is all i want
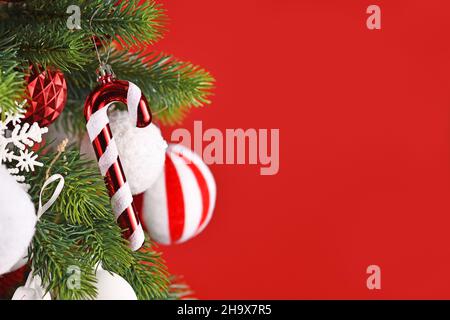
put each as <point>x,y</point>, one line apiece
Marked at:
<point>96,107</point>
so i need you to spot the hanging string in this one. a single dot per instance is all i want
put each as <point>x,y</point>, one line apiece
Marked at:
<point>43,208</point>
<point>109,46</point>
<point>93,36</point>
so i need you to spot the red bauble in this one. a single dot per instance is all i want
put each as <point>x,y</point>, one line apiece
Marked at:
<point>47,95</point>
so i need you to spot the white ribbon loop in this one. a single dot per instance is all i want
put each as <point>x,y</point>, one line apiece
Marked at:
<point>33,289</point>
<point>43,208</point>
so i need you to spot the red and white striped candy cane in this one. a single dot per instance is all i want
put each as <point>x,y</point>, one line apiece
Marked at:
<point>96,106</point>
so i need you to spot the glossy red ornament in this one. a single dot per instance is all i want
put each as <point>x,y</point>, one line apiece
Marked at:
<point>47,96</point>
<point>109,91</point>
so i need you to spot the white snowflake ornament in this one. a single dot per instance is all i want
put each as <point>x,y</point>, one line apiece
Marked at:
<point>14,144</point>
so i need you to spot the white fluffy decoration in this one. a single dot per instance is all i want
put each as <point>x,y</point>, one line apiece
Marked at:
<point>17,221</point>
<point>141,150</point>
<point>111,286</point>
<point>33,290</point>
<point>22,261</point>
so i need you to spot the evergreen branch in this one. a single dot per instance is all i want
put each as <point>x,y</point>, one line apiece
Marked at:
<point>80,231</point>
<point>171,86</point>
<point>46,46</point>
<point>54,253</point>
<point>104,243</point>
<point>124,21</point>
<point>12,84</point>
<point>149,273</point>
<point>179,290</point>
<point>84,197</point>
<point>128,22</point>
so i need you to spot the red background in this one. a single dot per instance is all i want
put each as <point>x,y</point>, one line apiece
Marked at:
<point>364,147</point>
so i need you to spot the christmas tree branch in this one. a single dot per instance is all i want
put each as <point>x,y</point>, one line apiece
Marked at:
<point>11,80</point>
<point>148,273</point>
<point>48,46</point>
<point>179,289</point>
<point>44,39</point>
<point>79,231</point>
<point>127,21</point>
<point>54,254</point>
<point>171,86</point>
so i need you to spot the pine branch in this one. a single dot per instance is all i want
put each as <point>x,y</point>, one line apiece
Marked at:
<point>11,80</point>
<point>171,86</point>
<point>43,39</point>
<point>148,273</point>
<point>80,231</point>
<point>109,246</point>
<point>179,289</point>
<point>84,197</point>
<point>54,254</point>
<point>124,21</point>
<point>127,22</point>
<point>46,46</point>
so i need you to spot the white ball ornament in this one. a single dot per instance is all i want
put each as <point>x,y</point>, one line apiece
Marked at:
<point>141,150</point>
<point>32,290</point>
<point>111,286</point>
<point>19,264</point>
<point>17,222</point>
<point>181,202</point>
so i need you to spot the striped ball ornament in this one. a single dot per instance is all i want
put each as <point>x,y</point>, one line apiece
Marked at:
<point>181,202</point>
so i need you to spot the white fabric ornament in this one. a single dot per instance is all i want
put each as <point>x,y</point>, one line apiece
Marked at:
<point>32,290</point>
<point>181,202</point>
<point>17,222</point>
<point>111,286</point>
<point>141,150</point>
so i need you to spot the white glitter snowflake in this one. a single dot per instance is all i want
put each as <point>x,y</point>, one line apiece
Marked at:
<point>15,139</point>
